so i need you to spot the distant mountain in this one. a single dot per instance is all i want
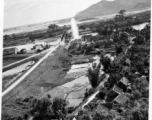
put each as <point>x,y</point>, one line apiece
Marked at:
<point>112,7</point>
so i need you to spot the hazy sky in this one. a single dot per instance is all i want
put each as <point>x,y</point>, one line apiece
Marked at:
<point>22,12</point>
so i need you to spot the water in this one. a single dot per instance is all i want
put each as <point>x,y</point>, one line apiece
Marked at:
<point>79,81</point>
<point>80,66</point>
<point>140,26</point>
<point>73,91</point>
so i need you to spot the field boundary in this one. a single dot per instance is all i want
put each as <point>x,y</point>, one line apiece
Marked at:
<point>15,64</point>
<point>28,72</point>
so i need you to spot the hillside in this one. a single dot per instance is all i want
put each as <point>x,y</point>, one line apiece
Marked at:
<point>112,7</point>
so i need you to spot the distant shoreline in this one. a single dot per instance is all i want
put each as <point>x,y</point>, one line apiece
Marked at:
<point>44,25</point>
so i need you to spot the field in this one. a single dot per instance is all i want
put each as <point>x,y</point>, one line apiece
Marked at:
<point>115,49</point>
<point>14,58</point>
<point>54,71</point>
<point>13,77</point>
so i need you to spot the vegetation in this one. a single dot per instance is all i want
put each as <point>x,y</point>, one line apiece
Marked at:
<point>121,58</point>
<point>24,38</point>
<point>131,61</point>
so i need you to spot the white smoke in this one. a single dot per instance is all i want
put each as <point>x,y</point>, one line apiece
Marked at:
<point>42,90</point>
<point>74,29</point>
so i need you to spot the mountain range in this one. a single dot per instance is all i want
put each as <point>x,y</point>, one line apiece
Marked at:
<point>105,7</point>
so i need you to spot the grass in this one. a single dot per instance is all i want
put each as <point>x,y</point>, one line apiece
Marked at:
<point>14,58</point>
<point>6,79</point>
<point>45,73</point>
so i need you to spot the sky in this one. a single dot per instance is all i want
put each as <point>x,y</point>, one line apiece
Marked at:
<point>23,12</point>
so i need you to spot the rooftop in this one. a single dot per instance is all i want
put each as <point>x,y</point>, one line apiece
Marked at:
<point>121,99</point>
<point>124,80</point>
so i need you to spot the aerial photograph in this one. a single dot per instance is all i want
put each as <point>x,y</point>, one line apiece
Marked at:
<point>76,60</point>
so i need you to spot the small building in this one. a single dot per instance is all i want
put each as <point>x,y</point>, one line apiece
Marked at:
<point>120,99</point>
<point>38,47</point>
<point>107,105</point>
<point>113,93</point>
<point>128,62</point>
<point>10,51</point>
<point>123,83</point>
<point>86,38</point>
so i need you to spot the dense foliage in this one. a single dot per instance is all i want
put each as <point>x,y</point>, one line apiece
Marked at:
<point>130,49</point>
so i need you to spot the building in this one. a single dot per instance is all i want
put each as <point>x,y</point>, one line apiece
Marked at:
<point>120,99</point>
<point>113,93</point>
<point>38,47</point>
<point>10,51</point>
<point>123,84</point>
<point>107,105</point>
<point>128,62</point>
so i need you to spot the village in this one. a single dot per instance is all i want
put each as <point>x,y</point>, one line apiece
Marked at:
<point>98,71</point>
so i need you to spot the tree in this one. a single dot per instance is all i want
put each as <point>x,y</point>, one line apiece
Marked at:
<point>82,27</point>
<point>58,107</point>
<point>139,39</point>
<point>122,12</point>
<point>5,37</point>
<point>103,92</point>
<point>41,109</point>
<point>137,95</point>
<point>93,74</point>
<point>22,51</point>
<point>118,49</point>
<point>14,36</point>
<point>106,63</point>
<point>53,28</point>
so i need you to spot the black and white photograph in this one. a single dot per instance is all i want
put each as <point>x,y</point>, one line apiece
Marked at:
<point>76,60</point>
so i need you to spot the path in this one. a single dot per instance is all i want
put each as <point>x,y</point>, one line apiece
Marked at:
<point>28,72</point>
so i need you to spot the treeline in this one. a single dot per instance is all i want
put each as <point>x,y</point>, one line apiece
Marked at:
<point>22,38</point>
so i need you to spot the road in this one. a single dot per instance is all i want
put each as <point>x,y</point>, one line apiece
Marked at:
<point>7,66</point>
<point>86,102</point>
<point>29,71</point>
